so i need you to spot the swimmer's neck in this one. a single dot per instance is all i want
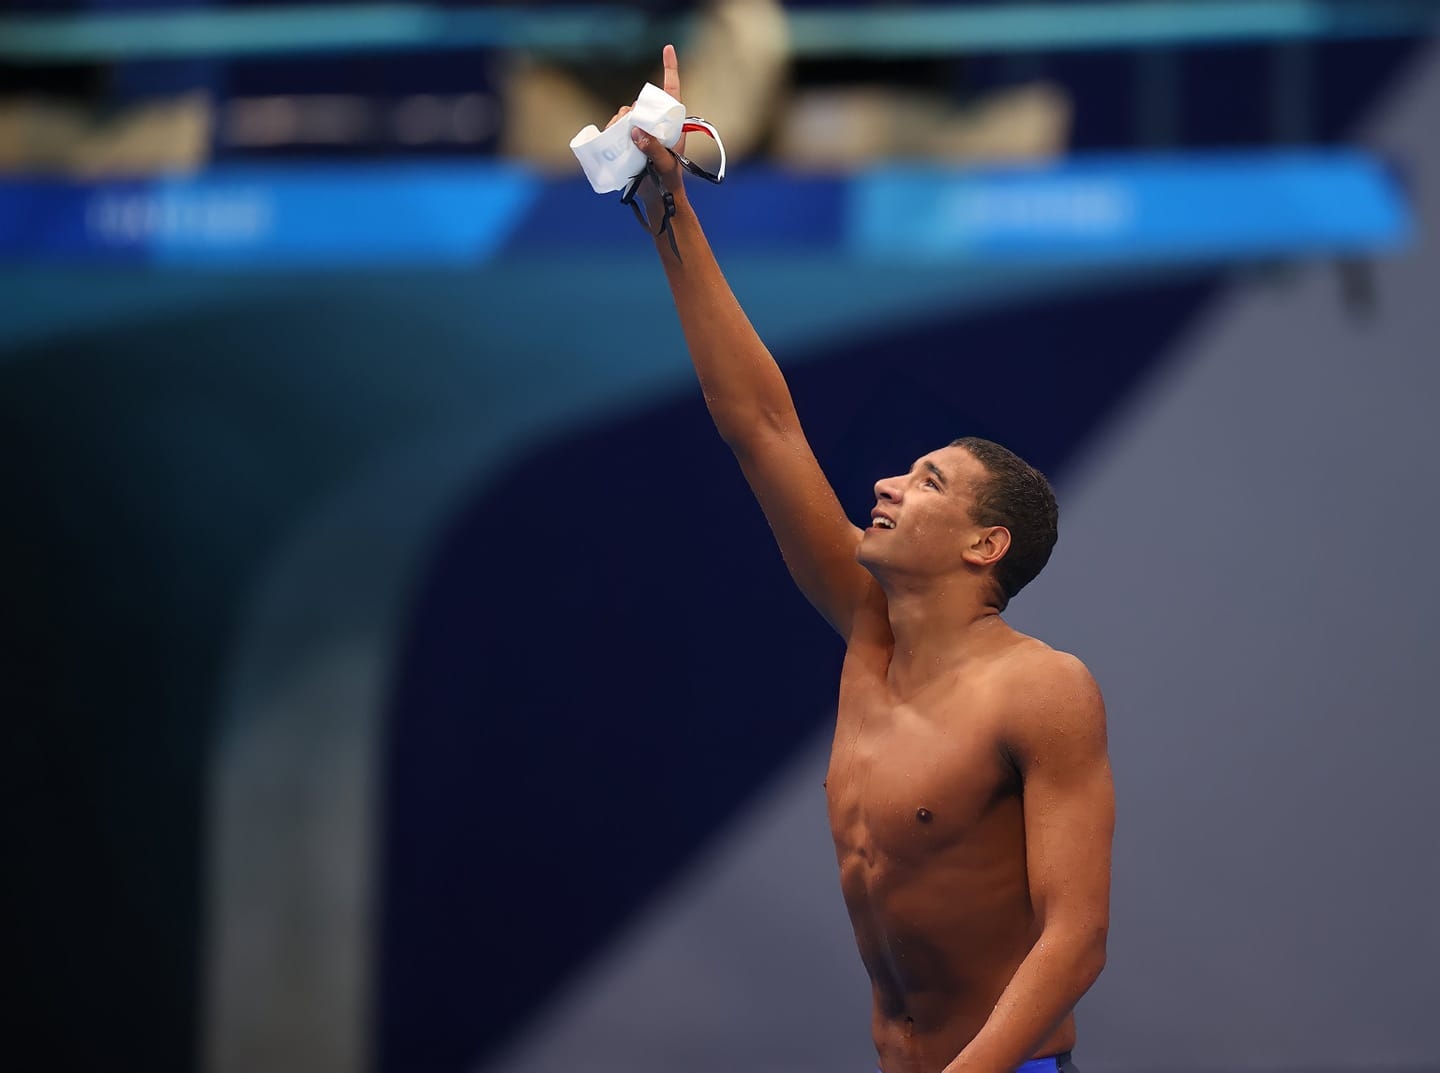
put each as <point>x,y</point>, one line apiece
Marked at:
<point>935,629</point>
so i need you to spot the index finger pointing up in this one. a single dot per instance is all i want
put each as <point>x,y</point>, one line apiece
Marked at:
<point>672,72</point>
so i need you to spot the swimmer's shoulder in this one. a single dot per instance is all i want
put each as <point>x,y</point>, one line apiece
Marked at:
<point>1042,683</point>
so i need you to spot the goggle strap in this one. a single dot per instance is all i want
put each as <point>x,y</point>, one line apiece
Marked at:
<point>692,125</point>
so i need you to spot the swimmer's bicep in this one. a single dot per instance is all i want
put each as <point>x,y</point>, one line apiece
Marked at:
<point>1058,743</point>
<point>816,539</point>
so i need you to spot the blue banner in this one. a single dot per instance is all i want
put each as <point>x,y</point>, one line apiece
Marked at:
<point>1124,209</point>
<point>1210,208</point>
<point>334,215</point>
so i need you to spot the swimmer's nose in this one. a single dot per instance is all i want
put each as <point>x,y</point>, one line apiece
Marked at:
<point>887,490</point>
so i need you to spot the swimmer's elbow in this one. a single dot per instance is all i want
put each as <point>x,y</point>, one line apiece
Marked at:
<point>754,429</point>
<point>1086,946</point>
<point>1092,955</point>
<point>1095,965</point>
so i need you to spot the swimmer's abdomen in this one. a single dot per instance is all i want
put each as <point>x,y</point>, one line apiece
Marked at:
<point>944,929</point>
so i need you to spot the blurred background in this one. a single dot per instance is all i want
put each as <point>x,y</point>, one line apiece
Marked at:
<point>398,675</point>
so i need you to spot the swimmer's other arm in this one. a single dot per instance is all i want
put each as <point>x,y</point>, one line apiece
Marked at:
<point>753,411</point>
<point>1056,738</point>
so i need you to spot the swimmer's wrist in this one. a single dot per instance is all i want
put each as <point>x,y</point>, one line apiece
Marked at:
<point>682,202</point>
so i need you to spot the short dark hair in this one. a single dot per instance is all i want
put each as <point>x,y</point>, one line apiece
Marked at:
<point>1016,495</point>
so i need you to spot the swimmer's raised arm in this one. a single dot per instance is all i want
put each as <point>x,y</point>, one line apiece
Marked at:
<point>752,408</point>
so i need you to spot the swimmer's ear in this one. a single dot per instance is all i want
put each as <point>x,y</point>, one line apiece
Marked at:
<point>989,546</point>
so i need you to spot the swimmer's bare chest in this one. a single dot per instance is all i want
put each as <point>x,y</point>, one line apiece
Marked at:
<point>926,812</point>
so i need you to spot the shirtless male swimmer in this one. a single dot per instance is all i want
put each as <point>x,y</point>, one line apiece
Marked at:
<point>969,788</point>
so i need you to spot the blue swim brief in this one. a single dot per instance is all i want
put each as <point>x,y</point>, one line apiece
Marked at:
<point>1060,1063</point>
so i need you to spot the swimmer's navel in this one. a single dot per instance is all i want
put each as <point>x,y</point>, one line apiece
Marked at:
<point>924,815</point>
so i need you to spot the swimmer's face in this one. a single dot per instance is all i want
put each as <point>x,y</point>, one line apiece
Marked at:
<point>924,524</point>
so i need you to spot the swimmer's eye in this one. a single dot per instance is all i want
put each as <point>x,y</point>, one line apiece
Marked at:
<point>930,483</point>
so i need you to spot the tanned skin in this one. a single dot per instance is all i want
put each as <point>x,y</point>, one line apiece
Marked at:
<point>969,787</point>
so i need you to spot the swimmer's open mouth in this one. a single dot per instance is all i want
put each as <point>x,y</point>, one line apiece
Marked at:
<point>880,521</point>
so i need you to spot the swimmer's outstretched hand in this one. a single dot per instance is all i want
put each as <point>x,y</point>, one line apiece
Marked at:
<point>660,157</point>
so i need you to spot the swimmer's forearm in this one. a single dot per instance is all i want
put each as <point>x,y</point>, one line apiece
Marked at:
<point>743,387</point>
<point>1059,969</point>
